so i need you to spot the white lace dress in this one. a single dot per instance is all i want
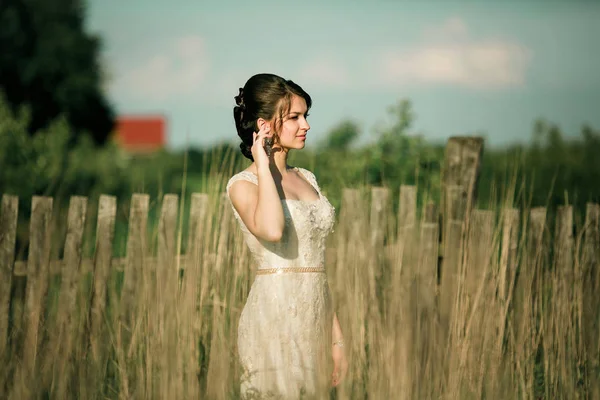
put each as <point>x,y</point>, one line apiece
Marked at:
<point>284,332</point>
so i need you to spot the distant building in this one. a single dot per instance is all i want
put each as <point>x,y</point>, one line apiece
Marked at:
<point>141,133</point>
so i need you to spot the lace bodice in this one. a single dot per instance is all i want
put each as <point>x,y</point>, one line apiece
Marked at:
<point>307,225</point>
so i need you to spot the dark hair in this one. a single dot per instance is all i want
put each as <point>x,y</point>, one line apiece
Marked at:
<point>263,96</point>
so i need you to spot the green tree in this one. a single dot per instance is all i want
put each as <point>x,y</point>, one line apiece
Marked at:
<point>49,63</point>
<point>342,136</point>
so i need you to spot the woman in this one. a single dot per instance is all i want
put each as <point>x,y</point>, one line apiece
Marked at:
<point>287,332</point>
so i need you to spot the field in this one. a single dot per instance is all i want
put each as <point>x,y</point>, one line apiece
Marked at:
<point>505,305</point>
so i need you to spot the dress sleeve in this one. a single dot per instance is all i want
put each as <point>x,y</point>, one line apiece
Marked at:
<point>311,179</point>
<point>241,176</point>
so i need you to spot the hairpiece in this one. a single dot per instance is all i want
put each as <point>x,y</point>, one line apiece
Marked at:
<point>239,99</point>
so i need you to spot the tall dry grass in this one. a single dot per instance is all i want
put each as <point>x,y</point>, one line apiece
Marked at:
<point>521,323</point>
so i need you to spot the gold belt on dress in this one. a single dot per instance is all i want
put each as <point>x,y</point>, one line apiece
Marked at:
<point>281,270</point>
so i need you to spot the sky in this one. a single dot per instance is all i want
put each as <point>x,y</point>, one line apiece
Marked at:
<point>468,67</point>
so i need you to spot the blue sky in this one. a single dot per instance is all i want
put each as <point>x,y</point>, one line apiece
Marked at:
<point>466,66</point>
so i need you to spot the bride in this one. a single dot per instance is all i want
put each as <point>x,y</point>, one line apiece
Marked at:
<point>288,334</point>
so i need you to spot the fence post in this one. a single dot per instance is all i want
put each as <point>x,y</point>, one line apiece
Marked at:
<point>406,248</point>
<point>352,276</point>
<point>134,282</point>
<point>378,276</point>
<point>527,297</point>
<point>98,316</point>
<point>479,253</point>
<point>477,304</point>
<point>8,238</point>
<point>216,388</point>
<point>105,231</point>
<point>136,254</point>
<point>162,311</point>
<point>562,310</point>
<point>66,335</point>
<point>459,191</point>
<point>193,286</point>
<point>426,351</point>
<point>590,276</point>
<point>37,288</point>
<point>507,270</point>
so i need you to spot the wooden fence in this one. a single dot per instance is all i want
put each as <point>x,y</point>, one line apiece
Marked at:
<point>438,253</point>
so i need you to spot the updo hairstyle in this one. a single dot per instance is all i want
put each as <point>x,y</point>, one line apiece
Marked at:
<point>264,96</point>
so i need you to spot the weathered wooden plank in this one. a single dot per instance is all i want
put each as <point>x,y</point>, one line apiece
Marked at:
<point>346,227</point>
<point>378,273</point>
<point>101,267</point>
<point>217,375</point>
<point>380,197</point>
<point>560,315</point>
<point>428,250</point>
<point>190,299</point>
<point>105,231</point>
<point>352,274</point>
<point>476,294</point>
<point>162,329</point>
<point>133,294</point>
<point>223,240</point>
<point>197,243</point>
<point>37,281</point>
<point>527,301</point>
<point>136,256</point>
<point>507,269</point>
<point>481,235</point>
<point>422,348</point>
<point>407,211</point>
<point>66,334</point>
<point>8,237</point>
<point>477,268</point>
<point>450,272</point>
<point>406,249</point>
<point>379,276</point>
<point>460,174</point>
<point>564,241</point>
<point>537,249</point>
<point>349,248</point>
<point>459,191</point>
<point>167,251</point>
<point>590,277</point>
<point>461,169</point>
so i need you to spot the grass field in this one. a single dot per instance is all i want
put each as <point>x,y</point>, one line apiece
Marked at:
<point>514,313</point>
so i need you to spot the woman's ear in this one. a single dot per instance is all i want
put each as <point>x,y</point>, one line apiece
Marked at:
<point>260,123</point>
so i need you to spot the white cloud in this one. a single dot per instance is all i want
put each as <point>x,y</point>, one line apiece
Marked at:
<point>449,55</point>
<point>177,69</point>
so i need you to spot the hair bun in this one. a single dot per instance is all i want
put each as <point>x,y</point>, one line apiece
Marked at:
<point>239,99</point>
<point>246,152</point>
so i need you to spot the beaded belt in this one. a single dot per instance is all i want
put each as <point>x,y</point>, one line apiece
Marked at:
<point>282,270</point>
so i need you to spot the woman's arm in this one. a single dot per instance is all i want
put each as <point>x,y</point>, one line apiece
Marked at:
<point>336,332</point>
<point>259,206</point>
<point>340,367</point>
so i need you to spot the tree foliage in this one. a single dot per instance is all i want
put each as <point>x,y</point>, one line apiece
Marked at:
<point>49,164</point>
<point>342,136</point>
<point>51,64</point>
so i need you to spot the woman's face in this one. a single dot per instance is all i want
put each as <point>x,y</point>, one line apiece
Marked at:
<point>295,125</point>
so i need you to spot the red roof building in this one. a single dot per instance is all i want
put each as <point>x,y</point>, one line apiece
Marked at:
<point>141,134</point>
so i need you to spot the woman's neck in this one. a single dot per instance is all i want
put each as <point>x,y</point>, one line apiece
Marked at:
<point>278,162</point>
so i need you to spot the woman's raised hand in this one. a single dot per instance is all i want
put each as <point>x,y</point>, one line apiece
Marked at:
<point>258,151</point>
